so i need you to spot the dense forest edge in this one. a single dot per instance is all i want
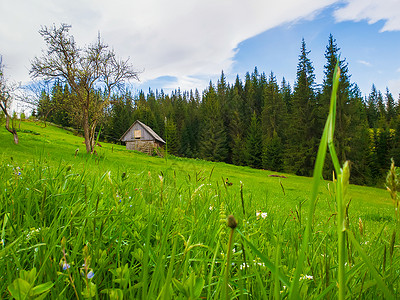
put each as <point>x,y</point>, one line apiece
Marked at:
<point>258,122</point>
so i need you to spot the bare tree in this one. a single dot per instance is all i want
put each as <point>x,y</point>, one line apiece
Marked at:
<point>92,73</point>
<point>6,94</point>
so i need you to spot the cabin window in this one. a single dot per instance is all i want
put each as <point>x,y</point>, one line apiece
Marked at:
<point>138,134</point>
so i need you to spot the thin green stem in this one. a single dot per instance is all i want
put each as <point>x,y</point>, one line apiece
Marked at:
<point>228,262</point>
<point>327,138</point>
<point>341,238</point>
<point>277,285</point>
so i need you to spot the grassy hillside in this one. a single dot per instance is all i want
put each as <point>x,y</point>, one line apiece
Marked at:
<point>58,146</point>
<point>151,227</point>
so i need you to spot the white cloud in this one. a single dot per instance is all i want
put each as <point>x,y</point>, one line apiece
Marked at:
<point>365,63</point>
<point>165,38</point>
<point>372,11</point>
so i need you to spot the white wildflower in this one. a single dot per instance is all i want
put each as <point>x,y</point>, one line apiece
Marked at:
<point>284,289</point>
<point>261,214</point>
<point>261,264</point>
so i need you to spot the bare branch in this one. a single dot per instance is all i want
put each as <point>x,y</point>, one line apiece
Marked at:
<point>87,71</point>
<point>6,95</point>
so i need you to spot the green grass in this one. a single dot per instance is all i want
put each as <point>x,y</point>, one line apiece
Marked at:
<point>156,228</point>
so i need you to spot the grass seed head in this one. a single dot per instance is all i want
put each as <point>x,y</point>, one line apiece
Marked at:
<point>392,181</point>
<point>231,222</point>
<point>360,226</point>
<point>346,176</point>
<point>392,242</point>
<point>63,242</point>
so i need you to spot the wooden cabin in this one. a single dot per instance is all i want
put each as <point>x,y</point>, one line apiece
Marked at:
<point>141,137</point>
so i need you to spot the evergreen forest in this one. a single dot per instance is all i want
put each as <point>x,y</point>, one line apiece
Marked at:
<point>259,121</point>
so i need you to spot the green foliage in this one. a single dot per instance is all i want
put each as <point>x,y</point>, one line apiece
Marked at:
<point>52,107</point>
<point>213,143</point>
<point>254,143</point>
<point>272,158</point>
<point>190,131</point>
<point>171,136</point>
<point>238,151</point>
<point>24,287</point>
<point>372,108</point>
<point>191,288</point>
<point>303,127</point>
<point>119,118</point>
<point>274,114</point>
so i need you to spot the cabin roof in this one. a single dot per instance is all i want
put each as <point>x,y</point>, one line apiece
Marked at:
<point>147,128</point>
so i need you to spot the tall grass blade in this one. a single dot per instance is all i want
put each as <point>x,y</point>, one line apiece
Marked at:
<point>388,294</point>
<point>265,260</point>
<point>277,284</point>
<point>318,168</point>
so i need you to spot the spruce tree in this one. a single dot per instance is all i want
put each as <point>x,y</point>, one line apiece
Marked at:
<point>120,118</point>
<point>190,129</point>
<point>286,92</point>
<point>157,119</point>
<point>372,108</point>
<point>390,109</point>
<point>171,137</point>
<point>345,109</point>
<point>213,137</point>
<point>272,157</point>
<point>383,143</point>
<point>302,132</point>
<point>274,114</point>
<point>395,149</point>
<point>236,132</point>
<point>256,96</point>
<point>274,120</point>
<point>225,100</point>
<point>359,140</point>
<point>59,95</point>
<point>254,143</point>
<point>249,95</point>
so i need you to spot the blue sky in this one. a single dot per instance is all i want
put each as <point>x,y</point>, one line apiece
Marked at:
<point>372,54</point>
<point>185,44</point>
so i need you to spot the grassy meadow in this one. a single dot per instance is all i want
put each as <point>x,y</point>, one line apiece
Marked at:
<point>123,225</point>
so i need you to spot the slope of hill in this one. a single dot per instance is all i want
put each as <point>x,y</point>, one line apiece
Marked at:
<point>149,226</point>
<point>59,146</point>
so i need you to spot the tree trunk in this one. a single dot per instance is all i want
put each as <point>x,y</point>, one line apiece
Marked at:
<point>92,135</point>
<point>16,140</point>
<point>86,132</point>
<point>12,130</point>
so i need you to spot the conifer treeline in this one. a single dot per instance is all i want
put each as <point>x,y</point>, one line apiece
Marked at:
<point>261,123</point>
